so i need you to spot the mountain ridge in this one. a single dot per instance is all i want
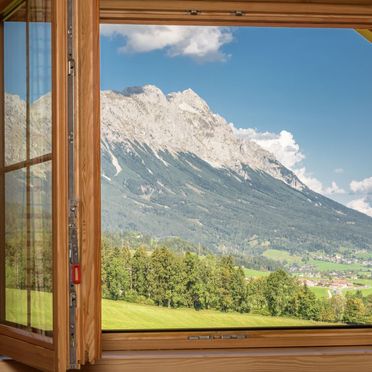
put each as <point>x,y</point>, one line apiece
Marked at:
<point>172,167</point>
<point>181,116</point>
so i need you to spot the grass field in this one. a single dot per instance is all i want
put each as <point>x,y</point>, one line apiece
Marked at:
<point>282,256</point>
<point>41,308</point>
<point>127,316</point>
<point>332,266</point>
<point>250,273</point>
<point>365,291</point>
<point>367,282</point>
<point>320,292</point>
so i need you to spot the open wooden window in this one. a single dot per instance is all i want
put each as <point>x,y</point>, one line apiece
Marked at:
<point>33,252</point>
<point>200,211</point>
<point>261,13</point>
<point>28,342</point>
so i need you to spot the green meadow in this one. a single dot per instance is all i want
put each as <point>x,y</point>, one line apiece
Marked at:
<point>128,316</point>
<point>320,292</point>
<point>333,266</point>
<point>365,291</point>
<point>251,273</point>
<point>281,256</point>
<point>41,308</point>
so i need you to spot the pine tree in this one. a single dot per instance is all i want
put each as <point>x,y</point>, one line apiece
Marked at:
<point>280,290</point>
<point>256,296</point>
<point>354,309</point>
<point>307,305</point>
<point>164,278</point>
<point>118,273</point>
<point>238,290</point>
<point>140,272</point>
<point>193,281</point>
<point>209,289</point>
<point>225,272</point>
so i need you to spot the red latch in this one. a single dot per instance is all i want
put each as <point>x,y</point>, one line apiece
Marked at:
<point>76,273</point>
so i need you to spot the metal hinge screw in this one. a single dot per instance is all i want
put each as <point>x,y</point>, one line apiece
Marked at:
<point>193,12</point>
<point>71,67</point>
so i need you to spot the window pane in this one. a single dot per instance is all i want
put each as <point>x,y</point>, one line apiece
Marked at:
<point>15,74</point>
<point>40,88</point>
<point>26,192</point>
<point>41,246</point>
<point>16,247</point>
<point>236,177</point>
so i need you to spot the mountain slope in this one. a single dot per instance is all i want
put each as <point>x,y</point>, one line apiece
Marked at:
<point>172,167</point>
<point>183,122</point>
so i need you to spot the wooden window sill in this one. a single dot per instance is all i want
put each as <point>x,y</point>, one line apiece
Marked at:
<point>340,359</point>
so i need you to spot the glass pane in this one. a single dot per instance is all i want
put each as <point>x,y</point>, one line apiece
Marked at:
<point>236,177</point>
<point>15,74</point>
<point>27,196</point>
<point>16,247</point>
<point>41,246</point>
<point>40,88</point>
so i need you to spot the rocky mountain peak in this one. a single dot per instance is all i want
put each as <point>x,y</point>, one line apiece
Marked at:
<point>182,122</point>
<point>188,100</point>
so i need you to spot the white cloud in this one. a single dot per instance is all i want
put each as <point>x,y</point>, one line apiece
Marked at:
<point>334,189</point>
<point>338,170</point>
<point>285,149</point>
<point>201,43</point>
<point>309,180</point>
<point>282,145</point>
<point>316,185</point>
<point>362,186</point>
<point>361,205</point>
<point>364,202</point>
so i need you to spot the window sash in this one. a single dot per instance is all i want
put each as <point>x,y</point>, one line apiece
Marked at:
<point>291,13</point>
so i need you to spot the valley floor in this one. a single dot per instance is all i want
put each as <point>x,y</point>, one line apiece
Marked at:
<point>122,315</point>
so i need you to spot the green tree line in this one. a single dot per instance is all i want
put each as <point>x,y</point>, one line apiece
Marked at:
<point>173,279</point>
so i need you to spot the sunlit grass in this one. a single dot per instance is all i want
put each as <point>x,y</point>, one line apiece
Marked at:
<point>41,308</point>
<point>334,266</point>
<point>251,273</point>
<point>365,291</point>
<point>281,256</point>
<point>128,316</point>
<point>320,292</point>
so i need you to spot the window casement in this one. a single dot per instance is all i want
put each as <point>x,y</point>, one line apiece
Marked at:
<point>33,254</point>
<point>260,13</point>
<point>91,343</point>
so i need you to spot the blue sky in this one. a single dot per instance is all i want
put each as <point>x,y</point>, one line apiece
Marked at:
<point>15,59</point>
<point>313,83</point>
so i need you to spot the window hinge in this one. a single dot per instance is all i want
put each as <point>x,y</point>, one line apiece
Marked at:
<point>71,137</point>
<point>217,337</point>
<point>71,67</point>
<point>193,12</point>
<point>238,13</point>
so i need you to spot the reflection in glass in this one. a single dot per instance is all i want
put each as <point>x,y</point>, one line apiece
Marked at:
<point>26,171</point>
<point>40,98</point>
<point>16,247</point>
<point>15,73</point>
<point>41,245</point>
<point>212,224</point>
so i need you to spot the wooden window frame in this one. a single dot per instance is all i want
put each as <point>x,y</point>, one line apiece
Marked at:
<point>89,14</point>
<point>291,13</point>
<point>30,349</point>
<point>48,353</point>
<point>26,165</point>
